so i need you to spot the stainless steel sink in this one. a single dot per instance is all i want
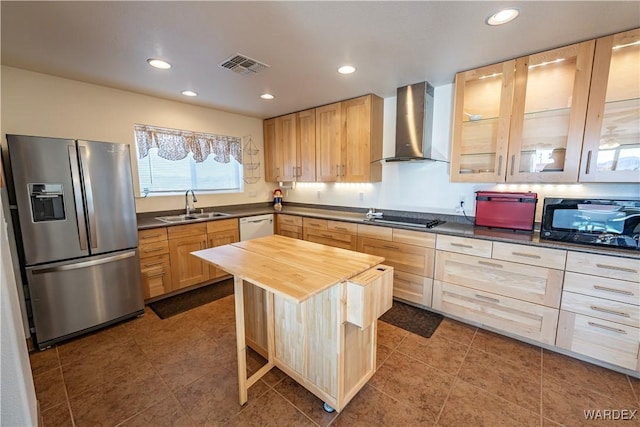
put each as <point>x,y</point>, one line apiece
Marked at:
<point>191,217</point>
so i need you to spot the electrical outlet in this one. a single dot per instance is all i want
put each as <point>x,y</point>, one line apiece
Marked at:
<point>361,196</point>
<point>462,200</point>
<point>318,194</point>
<point>252,194</point>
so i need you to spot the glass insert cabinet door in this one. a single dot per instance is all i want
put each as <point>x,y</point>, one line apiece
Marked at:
<point>482,114</point>
<point>549,109</point>
<point>611,151</point>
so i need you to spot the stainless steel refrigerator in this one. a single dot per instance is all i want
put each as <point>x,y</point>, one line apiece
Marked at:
<point>78,234</point>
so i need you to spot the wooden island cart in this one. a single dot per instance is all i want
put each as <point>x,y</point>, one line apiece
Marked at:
<point>321,309</point>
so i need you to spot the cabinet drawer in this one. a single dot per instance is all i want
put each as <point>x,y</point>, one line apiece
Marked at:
<point>180,231</point>
<point>532,255</point>
<point>222,225</point>
<point>605,266</point>
<point>290,231</point>
<point>407,258</point>
<point>426,240</point>
<point>522,318</point>
<point>525,282</point>
<point>331,238</point>
<point>314,223</point>
<point>464,245</point>
<point>603,340</point>
<point>369,295</point>
<point>375,232</point>
<point>342,227</point>
<point>152,235</point>
<point>156,276</point>
<point>617,290</point>
<point>412,288</point>
<point>289,220</point>
<point>154,248</point>
<point>600,308</point>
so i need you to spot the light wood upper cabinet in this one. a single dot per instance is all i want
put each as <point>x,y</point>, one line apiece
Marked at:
<point>306,146</point>
<point>290,147</point>
<point>340,142</point>
<point>328,142</point>
<point>611,149</point>
<point>523,120</point>
<point>361,139</point>
<point>482,115</point>
<point>272,155</point>
<point>549,112</point>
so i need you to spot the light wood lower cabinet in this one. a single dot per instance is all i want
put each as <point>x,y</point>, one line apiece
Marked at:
<point>330,233</point>
<point>526,282</point>
<point>289,226</point>
<point>472,281</point>
<point>533,321</point>
<point>155,265</point>
<point>186,269</point>
<point>410,253</point>
<point>610,342</point>
<point>221,232</point>
<point>600,313</point>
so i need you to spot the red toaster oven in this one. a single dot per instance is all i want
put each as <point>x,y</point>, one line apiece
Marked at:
<point>513,211</point>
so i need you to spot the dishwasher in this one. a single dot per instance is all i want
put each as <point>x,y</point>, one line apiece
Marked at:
<point>252,227</point>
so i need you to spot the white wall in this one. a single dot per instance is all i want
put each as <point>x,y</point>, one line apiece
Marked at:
<point>425,186</point>
<point>18,405</point>
<point>43,105</point>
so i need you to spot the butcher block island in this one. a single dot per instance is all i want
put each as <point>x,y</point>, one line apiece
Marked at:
<point>320,306</point>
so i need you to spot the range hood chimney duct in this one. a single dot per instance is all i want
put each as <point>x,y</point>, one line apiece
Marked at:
<point>414,123</point>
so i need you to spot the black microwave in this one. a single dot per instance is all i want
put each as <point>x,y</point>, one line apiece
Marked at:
<point>600,222</point>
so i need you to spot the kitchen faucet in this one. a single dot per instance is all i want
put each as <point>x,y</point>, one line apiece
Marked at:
<point>186,201</point>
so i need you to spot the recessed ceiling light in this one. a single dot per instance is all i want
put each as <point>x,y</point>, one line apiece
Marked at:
<point>503,16</point>
<point>189,93</point>
<point>159,63</point>
<point>346,69</point>
<point>266,96</point>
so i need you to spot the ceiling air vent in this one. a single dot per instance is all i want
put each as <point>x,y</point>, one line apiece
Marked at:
<point>243,65</point>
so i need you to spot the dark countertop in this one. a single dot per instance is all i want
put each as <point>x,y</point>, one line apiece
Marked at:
<point>453,227</point>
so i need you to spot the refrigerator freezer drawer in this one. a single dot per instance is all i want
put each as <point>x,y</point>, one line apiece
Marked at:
<point>68,298</point>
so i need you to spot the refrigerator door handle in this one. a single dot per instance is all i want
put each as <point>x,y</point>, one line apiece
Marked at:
<point>88,192</point>
<point>85,264</point>
<point>77,196</point>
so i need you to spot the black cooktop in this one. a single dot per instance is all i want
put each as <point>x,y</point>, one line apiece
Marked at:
<point>410,222</point>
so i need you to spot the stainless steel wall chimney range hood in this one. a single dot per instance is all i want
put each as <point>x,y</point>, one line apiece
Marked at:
<point>414,123</point>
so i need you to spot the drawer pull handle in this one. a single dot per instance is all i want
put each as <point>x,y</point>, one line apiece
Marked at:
<point>146,251</point>
<point>615,291</point>
<point>490,264</point>
<point>526,255</point>
<point>460,245</point>
<point>606,310</point>
<point>311,224</point>
<point>496,300</point>
<point>328,236</point>
<point>608,328</point>
<point>391,247</point>
<point>614,267</point>
<point>151,236</point>
<point>340,228</point>
<point>151,264</point>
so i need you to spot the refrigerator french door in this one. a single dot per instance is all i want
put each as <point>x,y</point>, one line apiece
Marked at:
<point>78,233</point>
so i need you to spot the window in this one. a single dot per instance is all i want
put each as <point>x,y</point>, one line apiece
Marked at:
<point>171,161</point>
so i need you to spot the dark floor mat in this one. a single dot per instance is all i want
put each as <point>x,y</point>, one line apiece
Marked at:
<point>180,303</point>
<point>419,321</point>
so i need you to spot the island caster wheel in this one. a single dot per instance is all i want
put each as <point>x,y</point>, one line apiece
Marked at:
<point>328,408</point>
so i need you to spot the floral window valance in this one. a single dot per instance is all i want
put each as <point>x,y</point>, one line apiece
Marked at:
<point>174,144</point>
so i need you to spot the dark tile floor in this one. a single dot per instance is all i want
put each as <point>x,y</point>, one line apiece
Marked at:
<point>182,372</point>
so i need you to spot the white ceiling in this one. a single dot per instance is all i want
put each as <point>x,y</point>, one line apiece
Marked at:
<point>391,43</point>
